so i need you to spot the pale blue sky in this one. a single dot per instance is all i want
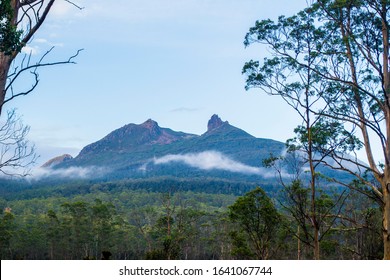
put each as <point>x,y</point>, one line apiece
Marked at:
<point>175,61</point>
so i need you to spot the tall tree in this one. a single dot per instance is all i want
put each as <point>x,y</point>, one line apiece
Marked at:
<point>258,218</point>
<point>7,228</point>
<point>78,220</point>
<point>350,54</point>
<point>19,22</point>
<point>302,91</point>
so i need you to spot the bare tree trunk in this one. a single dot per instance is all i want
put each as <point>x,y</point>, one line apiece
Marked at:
<point>314,221</point>
<point>299,244</point>
<point>385,180</point>
<point>386,84</point>
<point>6,59</point>
<point>386,215</point>
<point>313,204</point>
<point>310,153</point>
<point>36,17</point>
<point>5,63</point>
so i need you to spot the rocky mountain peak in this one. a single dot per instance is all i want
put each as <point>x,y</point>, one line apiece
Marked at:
<point>215,122</point>
<point>132,137</point>
<point>57,160</point>
<point>151,126</point>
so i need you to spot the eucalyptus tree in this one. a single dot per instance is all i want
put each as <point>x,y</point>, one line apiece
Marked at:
<point>349,54</point>
<point>289,74</point>
<point>258,220</point>
<point>19,22</point>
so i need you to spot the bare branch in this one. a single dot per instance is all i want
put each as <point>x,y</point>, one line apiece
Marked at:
<point>16,153</point>
<point>77,6</point>
<point>34,68</point>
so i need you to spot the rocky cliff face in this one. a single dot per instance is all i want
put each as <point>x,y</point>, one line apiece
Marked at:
<point>215,122</point>
<point>154,134</point>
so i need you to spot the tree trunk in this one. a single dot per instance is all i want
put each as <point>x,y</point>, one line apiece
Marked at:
<point>6,60</point>
<point>5,63</point>
<point>299,245</point>
<point>385,181</point>
<point>314,217</point>
<point>310,152</point>
<point>386,217</point>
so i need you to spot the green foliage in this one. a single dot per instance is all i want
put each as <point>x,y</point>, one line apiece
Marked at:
<point>9,35</point>
<point>326,135</point>
<point>7,230</point>
<point>329,62</point>
<point>133,224</point>
<point>240,245</point>
<point>82,230</point>
<point>258,218</point>
<point>359,232</point>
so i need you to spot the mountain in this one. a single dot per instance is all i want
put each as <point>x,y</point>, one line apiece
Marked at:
<point>132,137</point>
<point>148,150</point>
<point>129,144</point>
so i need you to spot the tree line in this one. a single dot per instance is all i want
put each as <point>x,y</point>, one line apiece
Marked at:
<point>184,225</point>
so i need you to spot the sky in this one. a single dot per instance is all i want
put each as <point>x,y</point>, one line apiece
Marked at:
<point>177,62</point>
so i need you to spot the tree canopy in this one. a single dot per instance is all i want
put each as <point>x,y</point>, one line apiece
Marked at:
<point>337,53</point>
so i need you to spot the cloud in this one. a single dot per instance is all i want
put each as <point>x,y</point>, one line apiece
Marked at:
<point>210,160</point>
<point>41,41</point>
<point>33,50</point>
<point>68,173</point>
<point>184,109</point>
<point>38,45</point>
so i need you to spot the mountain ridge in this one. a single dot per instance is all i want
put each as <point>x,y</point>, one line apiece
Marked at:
<point>135,150</point>
<point>131,135</point>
